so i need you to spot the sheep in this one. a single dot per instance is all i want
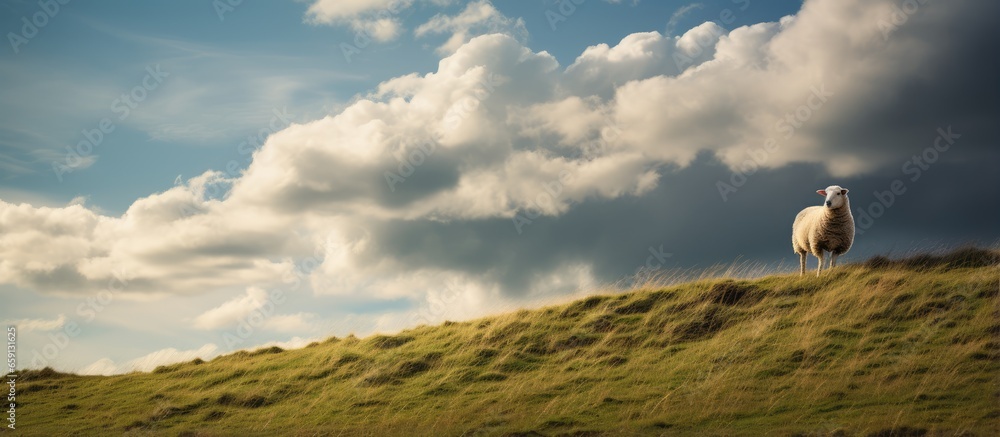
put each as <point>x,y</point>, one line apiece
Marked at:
<point>826,228</point>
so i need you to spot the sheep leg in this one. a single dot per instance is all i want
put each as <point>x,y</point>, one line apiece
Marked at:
<point>802,263</point>
<point>833,260</point>
<point>822,259</point>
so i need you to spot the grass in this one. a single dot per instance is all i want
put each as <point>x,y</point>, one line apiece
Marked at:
<point>880,348</point>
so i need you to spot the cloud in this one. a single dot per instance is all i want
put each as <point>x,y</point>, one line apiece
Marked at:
<point>298,322</point>
<point>146,363</point>
<point>602,69</point>
<point>257,302</point>
<point>501,177</point>
<point>479,17</point>
<point>382,29</point>
<point>330,11</point>
<point>232,312</point>
<point>680,13</point>
<point>376,19</point>
<point>382,20</point>
<point>292,343</point>
<point>168,356</point>
<point>28,325</point>
<point>172,242</point>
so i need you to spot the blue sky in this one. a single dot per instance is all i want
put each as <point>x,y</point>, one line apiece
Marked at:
<point>228,76</point>
<point>263,178</point>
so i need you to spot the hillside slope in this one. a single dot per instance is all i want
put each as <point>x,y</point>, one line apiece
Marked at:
<point>877,348</point>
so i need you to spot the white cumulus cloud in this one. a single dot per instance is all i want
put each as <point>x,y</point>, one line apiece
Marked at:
<point>148,362</point>
<point>233,311</point>
<point>257,308</point>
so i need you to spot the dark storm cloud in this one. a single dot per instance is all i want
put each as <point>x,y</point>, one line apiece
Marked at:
<point>951,81</point>
<point>686,217</point>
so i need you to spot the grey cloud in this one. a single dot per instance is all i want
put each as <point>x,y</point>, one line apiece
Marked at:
<point>686,217</point>
<point>949,82</point>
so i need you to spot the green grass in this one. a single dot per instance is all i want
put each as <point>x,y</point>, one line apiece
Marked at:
<point>877,348</point>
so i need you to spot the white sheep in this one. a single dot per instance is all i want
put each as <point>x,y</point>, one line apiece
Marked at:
<point>826,228</point>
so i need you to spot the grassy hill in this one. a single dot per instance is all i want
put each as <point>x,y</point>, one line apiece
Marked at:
<point>903,347</point>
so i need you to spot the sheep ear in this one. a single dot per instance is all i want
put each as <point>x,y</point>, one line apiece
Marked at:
<point>821,192</point>
<point>844,191</point>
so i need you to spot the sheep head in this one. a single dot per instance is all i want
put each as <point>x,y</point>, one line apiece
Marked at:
<point>836,196</point>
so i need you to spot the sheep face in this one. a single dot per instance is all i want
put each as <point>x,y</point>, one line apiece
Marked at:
<point>836,196</point>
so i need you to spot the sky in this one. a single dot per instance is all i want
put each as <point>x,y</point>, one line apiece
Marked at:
<point>185,179</point>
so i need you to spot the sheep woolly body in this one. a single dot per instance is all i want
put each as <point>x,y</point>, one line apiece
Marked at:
<point>823,228</point>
